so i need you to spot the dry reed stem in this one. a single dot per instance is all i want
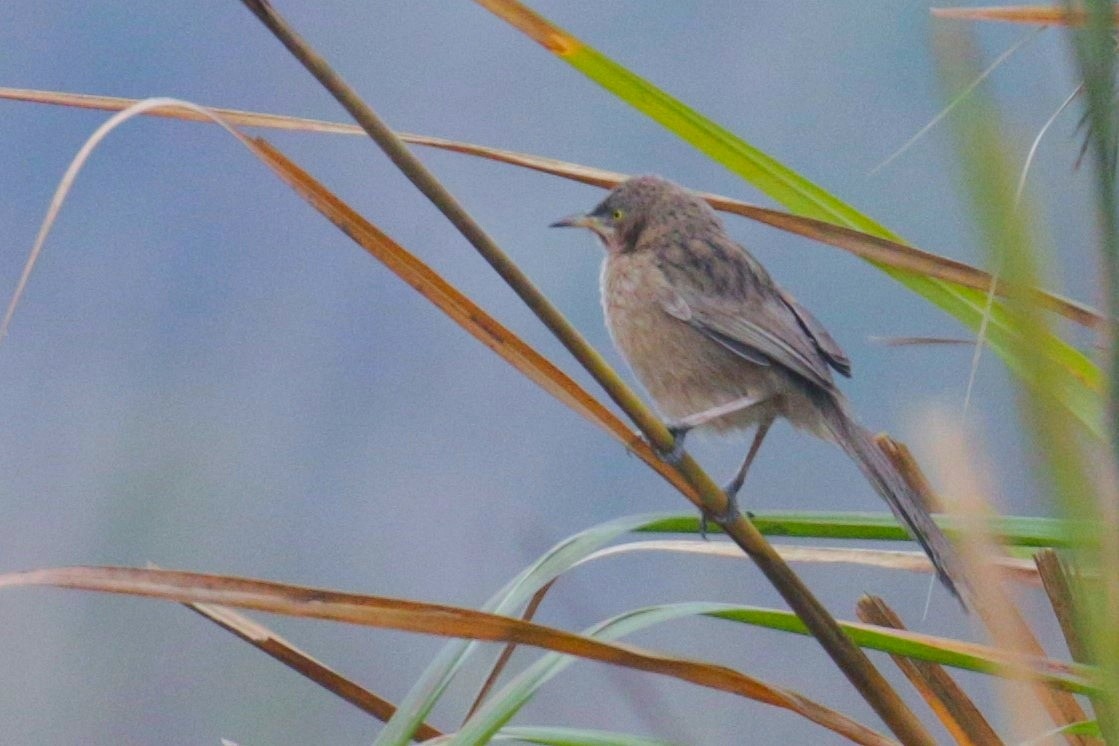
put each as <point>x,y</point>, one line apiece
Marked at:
<point>852,661</point>
<point>948,701</point>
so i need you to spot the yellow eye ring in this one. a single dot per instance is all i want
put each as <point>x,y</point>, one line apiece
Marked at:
<point>617,214</point>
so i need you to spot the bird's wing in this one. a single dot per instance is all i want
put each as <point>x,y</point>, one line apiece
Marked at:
<point>828,347</point>
<point>679,308</point>
<point>760,336</point>
<point>743,310</point>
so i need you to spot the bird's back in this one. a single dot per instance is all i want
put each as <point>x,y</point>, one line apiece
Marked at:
<point>702,323</point>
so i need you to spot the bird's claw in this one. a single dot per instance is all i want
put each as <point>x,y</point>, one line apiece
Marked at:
<point>722,520</point>
<point>703,525</point>
<point>676,454</point>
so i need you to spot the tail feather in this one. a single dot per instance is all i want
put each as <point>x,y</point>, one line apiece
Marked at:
<point>903,500</point>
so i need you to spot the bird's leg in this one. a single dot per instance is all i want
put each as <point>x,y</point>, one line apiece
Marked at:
<point>735,484</point>
<point>680,428</point>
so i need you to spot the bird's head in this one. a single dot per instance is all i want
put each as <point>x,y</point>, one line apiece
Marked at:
<point>621,218</point>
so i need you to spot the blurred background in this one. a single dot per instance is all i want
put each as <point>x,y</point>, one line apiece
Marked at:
<point>206,375</point>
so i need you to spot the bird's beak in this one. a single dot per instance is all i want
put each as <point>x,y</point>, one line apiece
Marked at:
<point>595,224</point>
<point>578,221</point>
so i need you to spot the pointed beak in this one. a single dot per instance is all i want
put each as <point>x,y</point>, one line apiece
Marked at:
<point>577,221</point>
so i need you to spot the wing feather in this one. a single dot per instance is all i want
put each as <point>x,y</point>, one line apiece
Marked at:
<point>827,346</point>
<point>721,291</point>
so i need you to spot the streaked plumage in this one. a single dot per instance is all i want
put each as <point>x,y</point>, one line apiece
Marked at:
<point>702,324</point>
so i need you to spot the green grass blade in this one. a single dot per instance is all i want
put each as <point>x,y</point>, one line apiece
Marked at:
<point>1019,531</point>
<point>799,195</point>
<point>1094,45</point>
<point>504,704</point>
<point>1083,728</point>
<point>1079,393</point>
<point>766,173</point>
<point>553,736</point>
<point>1066,463</point>
<point>967,657</point>
<point>419,702</point>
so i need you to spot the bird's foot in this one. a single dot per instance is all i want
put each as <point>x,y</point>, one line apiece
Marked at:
<point>731,490</point>
<point>732,511</point>
<point>722,520</point>
<point>676,455</point>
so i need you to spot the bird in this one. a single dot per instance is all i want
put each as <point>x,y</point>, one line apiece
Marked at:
<point>719,345</point>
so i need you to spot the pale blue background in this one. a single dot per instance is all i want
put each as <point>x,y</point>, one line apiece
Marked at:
<point>208,376</point>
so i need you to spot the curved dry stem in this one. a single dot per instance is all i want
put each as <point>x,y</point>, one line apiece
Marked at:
<point>428,618</point>
<point>863,245</point>
<point>445,296</point>
<point>71,173</point>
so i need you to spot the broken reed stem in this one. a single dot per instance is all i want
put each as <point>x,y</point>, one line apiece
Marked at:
<point>1054,576</point>
<point>944,696</point>
<point>902,459</point>
<point>1059,588</point>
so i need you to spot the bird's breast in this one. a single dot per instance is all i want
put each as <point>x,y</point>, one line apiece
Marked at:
<point>684,371</point>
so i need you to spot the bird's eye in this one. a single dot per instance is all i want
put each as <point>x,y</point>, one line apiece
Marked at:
<point>617,215</point>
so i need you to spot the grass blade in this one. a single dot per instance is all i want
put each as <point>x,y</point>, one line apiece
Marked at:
<point>409,616</point>
<point>1078,391</point>
<point>1008,232</point>
<point>518,592</point>
<point>552,736</point>
<point>1007,530</point>
<point>1019,569</point>
<point>864,245</point>
<point>952,706</point>
<point>969,656</point>
<point>507,652</point>
<point>464,311</point>
<point>1063,600</point>
<point>270,643</point>
<point>1037,15</point>
<point>960,96</point>
<point>504,704</point>
<point>1054,576</point>
<point>417,274</point>
<point>766,173</point>
<point>1094,48</point>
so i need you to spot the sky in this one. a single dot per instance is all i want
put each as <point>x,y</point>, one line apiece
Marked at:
<point>206,375</point>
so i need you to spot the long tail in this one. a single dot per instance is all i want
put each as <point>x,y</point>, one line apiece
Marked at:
<point>904,502</point>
